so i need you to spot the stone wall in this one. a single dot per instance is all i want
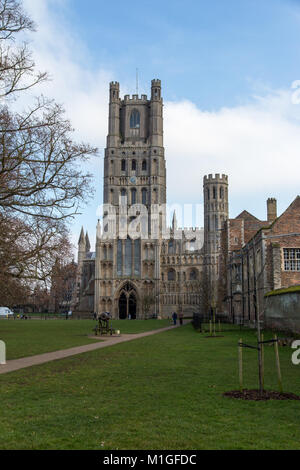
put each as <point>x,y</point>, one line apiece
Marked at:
<point>283,312</point>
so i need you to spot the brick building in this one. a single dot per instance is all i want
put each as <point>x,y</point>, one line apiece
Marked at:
<point>258,257</point>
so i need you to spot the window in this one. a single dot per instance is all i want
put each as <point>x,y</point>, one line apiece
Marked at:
<point>135,119</point>
<point>208,194</point>
<point>171,275</point>
<point>137,257</point>
<point>133,196</point>
<point>123,196</point>
<point>133,165</point>
<point>123,165</point>
<point>144,196</point>
<point>128,257</point>
<point>144,165</point>
<point>193,275</point>
<point>214,193</point>
<point>221,192</point>
<point>291,259</point>
<point>171,247</point>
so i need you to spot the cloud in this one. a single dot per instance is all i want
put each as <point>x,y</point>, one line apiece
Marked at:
<point>82,91</point>
<point>257,145</point>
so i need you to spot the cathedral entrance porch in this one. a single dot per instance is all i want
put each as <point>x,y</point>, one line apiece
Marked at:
<point>127,302</point>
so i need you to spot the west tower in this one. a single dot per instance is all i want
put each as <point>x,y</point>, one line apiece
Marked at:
<point>134,164</point>
<point>127,267</point>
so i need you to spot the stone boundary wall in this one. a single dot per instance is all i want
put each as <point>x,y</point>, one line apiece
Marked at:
<point>283,312</point>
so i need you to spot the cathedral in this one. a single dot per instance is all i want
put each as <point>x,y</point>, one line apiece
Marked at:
<point>142,267</point>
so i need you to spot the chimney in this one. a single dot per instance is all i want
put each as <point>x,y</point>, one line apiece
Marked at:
<point>272,209</point>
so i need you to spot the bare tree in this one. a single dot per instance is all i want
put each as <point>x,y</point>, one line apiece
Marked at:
<point>42,182</point>
<point>148,299</point>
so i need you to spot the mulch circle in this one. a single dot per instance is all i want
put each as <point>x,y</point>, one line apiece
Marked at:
<point>255,395</point>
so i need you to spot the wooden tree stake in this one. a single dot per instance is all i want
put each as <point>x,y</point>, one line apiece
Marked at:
<point>262,362</point>
<point>240,365</point>
<point>278,364</point>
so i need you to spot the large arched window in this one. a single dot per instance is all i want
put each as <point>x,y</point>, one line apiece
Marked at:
<point>128,257</point>
<point>135,119</point>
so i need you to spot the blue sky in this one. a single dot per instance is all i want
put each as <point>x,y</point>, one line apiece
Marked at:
<point>226,67</point>
<point>212,53</point>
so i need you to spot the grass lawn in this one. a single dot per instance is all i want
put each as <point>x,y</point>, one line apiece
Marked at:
<point>29,337</point>
<point>158,392</point>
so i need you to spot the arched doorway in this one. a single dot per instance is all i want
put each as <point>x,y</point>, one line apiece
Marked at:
<point>127,302</point>
<point>122,306</point>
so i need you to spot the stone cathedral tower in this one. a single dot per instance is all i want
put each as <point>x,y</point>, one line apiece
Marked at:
<point>127,265</point>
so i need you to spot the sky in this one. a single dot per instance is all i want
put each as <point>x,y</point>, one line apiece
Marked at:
<point>230,83</point>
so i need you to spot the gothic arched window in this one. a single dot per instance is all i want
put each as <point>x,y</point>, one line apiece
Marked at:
<point>123,196</point>
<point>133,165</point>
<point>137,256</point>
<point>193,275</point>
<point>144,165</point>
<point>128,257</point>
<point>133,196</point>
<point>123,165</point>
<point>171,247</point>
<point>135,119</point>
<point>144,196</point>
<point>171,275</point>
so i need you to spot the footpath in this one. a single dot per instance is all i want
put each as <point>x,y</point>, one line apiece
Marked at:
<point>16,364</point>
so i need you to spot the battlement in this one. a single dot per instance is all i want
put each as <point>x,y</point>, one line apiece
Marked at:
<point>272,199</point>
<point>192,229</point>
<point>114,85</point>
<point>155,82</point>
<point>215,179</point>
<point>135,98</point>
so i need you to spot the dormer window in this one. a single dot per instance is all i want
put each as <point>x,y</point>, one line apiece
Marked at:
<point>135,119</point>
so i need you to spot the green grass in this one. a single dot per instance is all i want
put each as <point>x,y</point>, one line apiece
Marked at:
<point>159,392</point>
<point>29,337</point>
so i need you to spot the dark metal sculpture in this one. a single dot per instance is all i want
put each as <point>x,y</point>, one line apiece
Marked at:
<point>104,325</point>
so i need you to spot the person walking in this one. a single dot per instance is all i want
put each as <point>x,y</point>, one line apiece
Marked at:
<point>174,318</point>
<point>180,318</point>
